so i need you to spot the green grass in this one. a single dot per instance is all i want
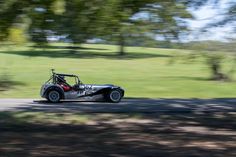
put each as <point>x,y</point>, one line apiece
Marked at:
<point>144,72</point>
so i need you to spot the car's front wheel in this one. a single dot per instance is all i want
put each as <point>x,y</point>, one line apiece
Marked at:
<point>114,96</point>
<point>53,96</point>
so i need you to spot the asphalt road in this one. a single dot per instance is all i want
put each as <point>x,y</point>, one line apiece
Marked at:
<point>137,105</point>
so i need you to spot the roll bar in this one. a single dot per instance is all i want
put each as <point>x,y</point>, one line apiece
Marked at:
<point>54,75</point>
<point>68,75</point>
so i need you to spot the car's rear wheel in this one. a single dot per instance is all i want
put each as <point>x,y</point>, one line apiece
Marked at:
<point>114,96</point>
<point>53,96</point>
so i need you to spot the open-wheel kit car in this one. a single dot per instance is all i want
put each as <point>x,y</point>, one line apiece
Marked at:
<point>58,88</point>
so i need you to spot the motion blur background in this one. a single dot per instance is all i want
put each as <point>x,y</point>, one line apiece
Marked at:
<point>152,48</point>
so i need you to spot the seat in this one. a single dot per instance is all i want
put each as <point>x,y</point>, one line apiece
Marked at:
<point>66,88</point>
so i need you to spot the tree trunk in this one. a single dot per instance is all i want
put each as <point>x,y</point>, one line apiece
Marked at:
<point>215,67</point>
<point>216,72</point>
<point>122,45</point>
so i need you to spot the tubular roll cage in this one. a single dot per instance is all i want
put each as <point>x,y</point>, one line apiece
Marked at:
<point>55,77</point>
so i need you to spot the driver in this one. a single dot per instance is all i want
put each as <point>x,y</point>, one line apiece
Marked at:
<point>63,84</point>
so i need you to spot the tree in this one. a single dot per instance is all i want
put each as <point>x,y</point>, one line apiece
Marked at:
<point>82,19</point>
<point>77,21</point>
<point>36,14</point>
<point>42,21</point>
<point>229,17</point>
<point>161,18</point>
<point>8,16</point>
<point>215,60</point>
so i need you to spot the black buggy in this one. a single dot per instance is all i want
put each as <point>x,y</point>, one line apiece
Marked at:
<point>57,88</point>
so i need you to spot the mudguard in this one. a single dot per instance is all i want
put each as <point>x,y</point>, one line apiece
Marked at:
<point>53,87</point>
<point>106,90</point>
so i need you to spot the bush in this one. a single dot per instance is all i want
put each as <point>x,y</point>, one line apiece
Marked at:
<point>5,82</point>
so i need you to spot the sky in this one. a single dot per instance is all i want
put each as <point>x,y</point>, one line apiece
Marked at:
<point>207,14</point>
<point>203,16</point>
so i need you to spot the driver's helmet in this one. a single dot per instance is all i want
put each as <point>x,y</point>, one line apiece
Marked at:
<point>61,79</point>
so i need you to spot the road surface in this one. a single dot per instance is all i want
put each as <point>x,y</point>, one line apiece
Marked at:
<point>126,106</point>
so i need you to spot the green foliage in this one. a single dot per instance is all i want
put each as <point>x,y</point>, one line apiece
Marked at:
<point>58,7</point>
<point>81,19</point>
<point>17,35</point>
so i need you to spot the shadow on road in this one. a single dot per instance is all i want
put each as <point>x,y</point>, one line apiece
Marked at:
<point>136,105</point>
<point>128,134</point>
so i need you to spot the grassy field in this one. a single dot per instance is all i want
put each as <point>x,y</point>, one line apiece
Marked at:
<point>143,72</point>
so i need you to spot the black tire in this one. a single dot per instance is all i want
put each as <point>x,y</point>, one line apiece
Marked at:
<point>114,96</point>
<point>53,96</point>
